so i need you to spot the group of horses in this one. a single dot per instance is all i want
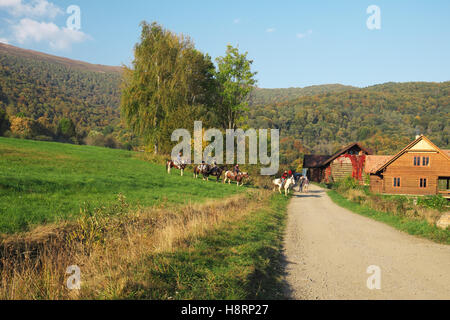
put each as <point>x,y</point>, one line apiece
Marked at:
<point>207,170</point>
<point>290,183</point>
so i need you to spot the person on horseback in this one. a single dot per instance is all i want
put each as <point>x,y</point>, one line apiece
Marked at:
<point>290,173</point>
<point>236,169</point>
<point>179,159</point>
<point>284,177</point>
<point>203,166</point>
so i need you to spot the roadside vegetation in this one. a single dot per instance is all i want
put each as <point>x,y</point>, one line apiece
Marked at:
<point>414,215</point>
<point>222,249</point>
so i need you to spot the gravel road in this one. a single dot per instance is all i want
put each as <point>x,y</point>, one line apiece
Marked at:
<point>328,250</point>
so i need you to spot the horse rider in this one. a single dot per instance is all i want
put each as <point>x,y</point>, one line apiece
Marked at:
<point>236,170</point>
<point>290,173</point>
<point>284,177</point>
<point>203,166</point>
<point>214,167</point>
<point>179,159</point>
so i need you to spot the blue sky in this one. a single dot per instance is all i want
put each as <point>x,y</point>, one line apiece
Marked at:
<point>293,43</point>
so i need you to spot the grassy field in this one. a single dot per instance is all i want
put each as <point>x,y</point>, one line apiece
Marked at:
<point>44,182</point>
<point>167,237</point>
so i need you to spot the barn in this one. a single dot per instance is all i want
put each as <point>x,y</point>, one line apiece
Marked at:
<point>421,168</point>
<point>348,161</point>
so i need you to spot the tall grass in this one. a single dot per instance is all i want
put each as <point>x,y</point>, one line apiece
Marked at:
<point>233,247</point>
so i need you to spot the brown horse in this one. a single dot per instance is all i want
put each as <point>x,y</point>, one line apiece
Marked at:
<point>202,169</point>
<point>239,178</point>
<point>170,164</point>
<point>217,172</point>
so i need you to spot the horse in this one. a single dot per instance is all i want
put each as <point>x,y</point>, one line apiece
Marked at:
<point>202,169</point>
<point>171,164</point>
<point>288,184</point>
<point>217,172</point>
<point>239,178</point>
<point>305,185</point>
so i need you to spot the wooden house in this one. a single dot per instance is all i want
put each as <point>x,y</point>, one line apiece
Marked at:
<point>348,161</point>
<point>421,168</point>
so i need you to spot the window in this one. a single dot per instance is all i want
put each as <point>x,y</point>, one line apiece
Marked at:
<point>423,183</point>
<point>424,161</point>
<point>396,182</point>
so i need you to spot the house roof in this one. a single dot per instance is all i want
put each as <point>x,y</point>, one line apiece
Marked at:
<point>313,160</point>
<point>447,152</point>
<point>344,150</point>
<point>374,162</point>
<point>409,146</point>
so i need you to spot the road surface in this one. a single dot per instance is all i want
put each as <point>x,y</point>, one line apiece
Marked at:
<point>328,250</point>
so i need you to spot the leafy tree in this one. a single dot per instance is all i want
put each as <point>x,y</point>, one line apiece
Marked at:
<point>169,84</point>
<point>4,122</point>
<point>66,128</point>
<point>236,81</point>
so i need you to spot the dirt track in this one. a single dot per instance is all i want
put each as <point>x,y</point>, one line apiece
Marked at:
<point>328,251</point>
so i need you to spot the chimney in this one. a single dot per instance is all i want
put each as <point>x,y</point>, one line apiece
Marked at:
<point>418,135</point>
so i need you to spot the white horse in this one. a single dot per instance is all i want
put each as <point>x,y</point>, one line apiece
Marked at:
<point>288,184</point>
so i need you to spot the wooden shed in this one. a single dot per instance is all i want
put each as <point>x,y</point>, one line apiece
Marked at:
<point>348,161</point>
<point>421,168</point>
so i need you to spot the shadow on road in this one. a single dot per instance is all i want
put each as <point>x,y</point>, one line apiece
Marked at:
<point>303,195</point>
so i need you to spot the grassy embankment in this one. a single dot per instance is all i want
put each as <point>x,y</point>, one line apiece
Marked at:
<point>399,212</point>
<point>163,237</point>
<point>44,182</point>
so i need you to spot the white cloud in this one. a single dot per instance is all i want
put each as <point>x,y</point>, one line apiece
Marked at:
<point>270,30</point>
<point>304,35</point>
<point>32,21</point>
<point>4,40</point>
<point>29,30</point>
<point>32,8</point>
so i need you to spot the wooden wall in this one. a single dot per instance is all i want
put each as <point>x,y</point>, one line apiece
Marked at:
<point>376,183</point>
<point>410,175</point>
<point>341,168</point>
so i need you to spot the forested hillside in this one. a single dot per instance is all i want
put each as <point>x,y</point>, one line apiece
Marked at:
<point>41,90</point>
<point>260,96</point>
<point>384,117</point>
<point>52,98</point>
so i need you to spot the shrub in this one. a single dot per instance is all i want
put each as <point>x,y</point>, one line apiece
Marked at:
<point>66,128</point>
<point>96,138</point>
<point>437,202</point>
<point>43,138</point>
<point>4,122</point>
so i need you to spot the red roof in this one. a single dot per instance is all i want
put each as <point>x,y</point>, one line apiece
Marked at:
<point>374,162</point>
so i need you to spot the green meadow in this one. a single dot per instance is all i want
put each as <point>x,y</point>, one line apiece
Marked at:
<point>44,182</point>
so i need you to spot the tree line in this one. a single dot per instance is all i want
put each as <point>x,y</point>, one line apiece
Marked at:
<point>384,118</point>
<point>171,84</point>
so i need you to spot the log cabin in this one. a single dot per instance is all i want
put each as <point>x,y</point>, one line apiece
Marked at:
<point>421,168</point>
<point>347,162</point>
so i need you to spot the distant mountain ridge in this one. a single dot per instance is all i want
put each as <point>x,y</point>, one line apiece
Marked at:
<point>319,118</point>
<point>80,65</point>
<point>46,88</point>
<point>261,96</point>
